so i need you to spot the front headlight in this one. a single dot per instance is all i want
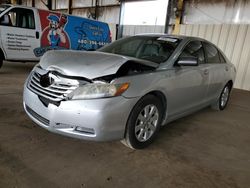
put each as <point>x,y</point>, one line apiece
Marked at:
<point>98,90</point>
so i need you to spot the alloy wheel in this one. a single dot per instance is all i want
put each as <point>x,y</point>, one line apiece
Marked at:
<point>225,96</point>
<point>146,123</point>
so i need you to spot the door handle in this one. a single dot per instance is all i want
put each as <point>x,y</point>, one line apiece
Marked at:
<point>226,68</point>
<point>206,71</point>
<point>37,35</point>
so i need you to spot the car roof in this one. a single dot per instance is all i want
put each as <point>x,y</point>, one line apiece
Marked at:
<point>170,36</point>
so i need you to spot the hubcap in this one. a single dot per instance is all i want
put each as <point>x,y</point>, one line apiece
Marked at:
<point>146,123</point>
<point>224,96</point>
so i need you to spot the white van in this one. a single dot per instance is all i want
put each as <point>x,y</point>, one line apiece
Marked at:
<point>26,33</point>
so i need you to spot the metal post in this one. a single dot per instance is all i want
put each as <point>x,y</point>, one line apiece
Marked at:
<point>69,6</point>
<point>168,16</point>
<point>178,17</point>
<point>33,4</point>
<point>96,9</point>
<point>49,4</point>
<point>120,26</point>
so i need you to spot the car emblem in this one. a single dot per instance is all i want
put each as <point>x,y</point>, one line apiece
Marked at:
<point>46,80</point>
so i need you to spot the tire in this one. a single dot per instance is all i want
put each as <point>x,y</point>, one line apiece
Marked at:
<point>1,63</point>
<point>144,122</point>
<point>222,102</point>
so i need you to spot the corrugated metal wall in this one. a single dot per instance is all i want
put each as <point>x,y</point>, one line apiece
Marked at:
<point>216,12</point>
<point>233,40</point>
<point>130,30</point>
<point>108,10</point>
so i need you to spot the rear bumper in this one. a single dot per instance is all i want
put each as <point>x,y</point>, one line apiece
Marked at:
<point>96,119</point>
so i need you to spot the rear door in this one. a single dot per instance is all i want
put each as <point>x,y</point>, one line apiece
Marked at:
<point>216,69</point>
<point>18,34</point>
<point>190,83</point>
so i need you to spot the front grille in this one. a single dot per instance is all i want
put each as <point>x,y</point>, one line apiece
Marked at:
<point>37,116</point>
<point>55,92</point>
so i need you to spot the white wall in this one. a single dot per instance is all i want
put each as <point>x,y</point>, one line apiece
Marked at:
<point>144,12</point>
<point>233,40</point>
<point>130,30</point>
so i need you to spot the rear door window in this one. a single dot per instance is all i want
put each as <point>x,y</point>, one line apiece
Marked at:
<point>222,59</point>
<point>212,54</point>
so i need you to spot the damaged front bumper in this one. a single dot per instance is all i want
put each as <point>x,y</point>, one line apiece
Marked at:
<point>95,119</point>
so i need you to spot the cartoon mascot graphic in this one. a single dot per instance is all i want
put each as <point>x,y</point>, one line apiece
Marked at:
<point>54,36</point>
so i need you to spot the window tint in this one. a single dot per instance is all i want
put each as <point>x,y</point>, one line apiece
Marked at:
<point>19,17</point>
<point>212,53</point>
<point>194,49</point>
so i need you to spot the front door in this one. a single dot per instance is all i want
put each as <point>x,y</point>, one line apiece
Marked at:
<point>189,83</point>
<point>18,34</point>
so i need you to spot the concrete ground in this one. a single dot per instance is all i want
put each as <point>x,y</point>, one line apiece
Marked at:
<point>206,149</point>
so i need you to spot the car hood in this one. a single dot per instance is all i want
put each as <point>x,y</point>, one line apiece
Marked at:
<point>86,64</point>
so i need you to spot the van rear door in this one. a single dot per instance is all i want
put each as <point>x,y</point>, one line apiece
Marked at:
<point>18,34</point>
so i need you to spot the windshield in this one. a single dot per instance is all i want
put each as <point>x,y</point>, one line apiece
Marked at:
<point>3,8</point>
<point>155,49</point>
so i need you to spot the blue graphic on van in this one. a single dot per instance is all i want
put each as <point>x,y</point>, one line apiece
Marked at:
<point>60,31</point>
<point>87,34</point>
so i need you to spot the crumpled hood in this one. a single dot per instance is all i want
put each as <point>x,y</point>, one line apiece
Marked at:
<point>85,64</point>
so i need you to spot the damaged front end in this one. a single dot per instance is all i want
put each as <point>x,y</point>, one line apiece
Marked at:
<point>131,67</point>
<point>53,83</point>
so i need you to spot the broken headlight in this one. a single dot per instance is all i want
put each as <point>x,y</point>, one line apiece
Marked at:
<point>98,90</point>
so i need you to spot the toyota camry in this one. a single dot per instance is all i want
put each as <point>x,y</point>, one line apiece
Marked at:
<point>128,89</point>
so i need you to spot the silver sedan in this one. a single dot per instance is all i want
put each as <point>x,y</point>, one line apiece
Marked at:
<point>127,90</point>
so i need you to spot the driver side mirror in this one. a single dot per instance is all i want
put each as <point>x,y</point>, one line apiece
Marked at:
<point>187,61</point>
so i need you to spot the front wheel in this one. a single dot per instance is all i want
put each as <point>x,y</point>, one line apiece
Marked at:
<point>144,122</point>
<point>223,99</point>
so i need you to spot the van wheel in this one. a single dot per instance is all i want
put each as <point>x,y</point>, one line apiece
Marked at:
<point>221,103</point>
<point>1,63</point>
<point>143,123</point>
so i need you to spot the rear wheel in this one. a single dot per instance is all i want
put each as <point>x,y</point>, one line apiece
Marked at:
<point>144,122</point>
<point>1,58</point>
<point>223,99</point>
